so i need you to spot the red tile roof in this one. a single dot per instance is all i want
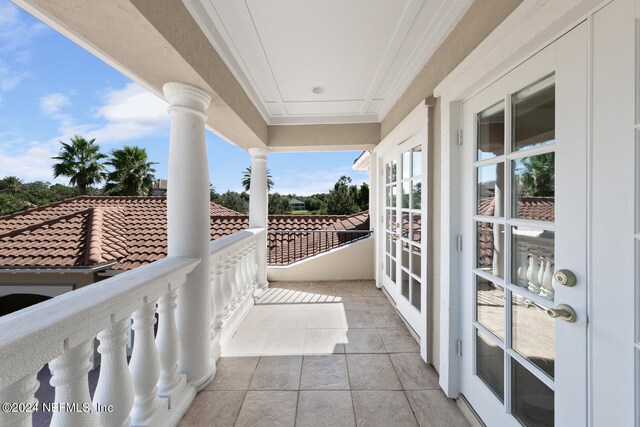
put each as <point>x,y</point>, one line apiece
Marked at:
<point>128,231</point>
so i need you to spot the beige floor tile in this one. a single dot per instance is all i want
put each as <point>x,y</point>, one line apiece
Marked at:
<point>324,341</point>
<point>398,340</point>
<point>359,319</point>
<point>372,372</point>
<point>387,319</point>
<point>233,373</point>
<point>433,409</point>
<point>325,408</point>
<point>214,408</point>
<point>363,341</point>
<point>413,372</point>
<point>268,409</point>
<point>277,373</point>
<point>327,372</point>
<point>247,342</point>
<point>289,319</point>
<point>256,320</point>
<point>323,319</point>
<point>285,341</point>
<point>382,409</point>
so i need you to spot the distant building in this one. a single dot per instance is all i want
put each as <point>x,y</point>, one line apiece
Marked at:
<point>159,188</point>
<point>296,205</point>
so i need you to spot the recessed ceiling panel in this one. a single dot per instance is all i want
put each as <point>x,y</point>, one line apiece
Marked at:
<point>304,61</point>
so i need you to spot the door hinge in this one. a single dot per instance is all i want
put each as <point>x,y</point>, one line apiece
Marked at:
<point>459,243</point>
<point>459,347</point>
<point>459,136</point>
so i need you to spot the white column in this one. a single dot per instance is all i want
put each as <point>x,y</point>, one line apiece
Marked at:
<point>188,212</point>
<point>258,208</point>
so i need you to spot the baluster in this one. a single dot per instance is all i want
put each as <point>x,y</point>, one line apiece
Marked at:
<point>115,385</point>
<point>253,264</point>
<point>217,305</point>
<point>145,364</point>
<point>168,343</point>
<point>239,280</point>
<point>227,288</point>
<point>233,281</point>
<point>69,377</point>
<point>246,279</point>
<point>21,392</point>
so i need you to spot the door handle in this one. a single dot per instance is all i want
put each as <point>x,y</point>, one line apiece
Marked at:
<point>565,278</point>
<point>564,312</point>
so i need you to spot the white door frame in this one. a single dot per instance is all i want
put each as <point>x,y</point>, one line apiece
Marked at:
<point>416,124</point>
<point>532,26</point>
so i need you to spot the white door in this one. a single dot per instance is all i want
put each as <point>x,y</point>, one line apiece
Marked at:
<point>403,267</point>
<point>524,219</point>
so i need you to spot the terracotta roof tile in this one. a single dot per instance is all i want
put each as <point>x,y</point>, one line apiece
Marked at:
<point>130,231</point>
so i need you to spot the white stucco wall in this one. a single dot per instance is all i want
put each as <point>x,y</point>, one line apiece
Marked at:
<point>350,262</point>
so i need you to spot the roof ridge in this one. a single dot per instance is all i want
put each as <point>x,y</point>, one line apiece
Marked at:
<point>41,224</point>
<point>94,237</point>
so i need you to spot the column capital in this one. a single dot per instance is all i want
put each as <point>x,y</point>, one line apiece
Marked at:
<point>185,95</point>
<point>258,153</point>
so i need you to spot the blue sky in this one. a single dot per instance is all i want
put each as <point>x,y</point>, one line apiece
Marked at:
<point>51,89</point>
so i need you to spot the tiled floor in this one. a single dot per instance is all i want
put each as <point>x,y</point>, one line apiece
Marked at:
<point>343,362</point>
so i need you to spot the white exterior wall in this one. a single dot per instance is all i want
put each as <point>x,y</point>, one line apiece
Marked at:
<point>351,262</point>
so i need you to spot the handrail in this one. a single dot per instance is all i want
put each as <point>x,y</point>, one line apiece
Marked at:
<point>47,329</point>
<point>322,231</point>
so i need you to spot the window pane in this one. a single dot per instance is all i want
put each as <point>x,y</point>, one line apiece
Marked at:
<point>416,228</point>
<point>417,161</point>
<point>405,225</point>
<point>404,287</point>
<point>534,110</point>
<point>417,193</point>
<point>534,188</point>
<point>533,333</point>
<point>491,132</point>
<point>416,300</point>
<point>406,164</point>
<point>532,400</point>
<point>416,260</point>
<point>405,255</point>
<point>388,266</point>
<point>387,174</point>
<point>490,364</point>
<point>490,306</point>
<point>393,196</point>
<point>393,270</point>
<point>532,261</point>
<point>490,200</point>
<point>489,248</point>
<point>406,191</point>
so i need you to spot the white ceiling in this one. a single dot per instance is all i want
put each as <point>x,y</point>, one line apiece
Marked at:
<point>362,53</point>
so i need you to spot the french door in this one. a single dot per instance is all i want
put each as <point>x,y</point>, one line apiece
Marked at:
<point>523,268</point>
<point>403,263</point>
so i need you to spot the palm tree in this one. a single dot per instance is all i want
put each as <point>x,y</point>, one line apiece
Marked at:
<point>11,185</point>
<point>246,179</point>
<point>132,174</point>
<point>80,161</point>
<point>537,175</point>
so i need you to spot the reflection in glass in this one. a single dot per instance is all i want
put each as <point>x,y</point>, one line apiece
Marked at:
<point>532,260</point>
<point>490,306</point>
<point>405,256</point>
<point>406,164</point>
<point>393,196</point>
<point>394,168</point>
<point>393,270</point>
<point>490,364</point>
<point>388,266</point>
<point>533,333</point>
<point>388,241</point>
<point>489,248</point>
<point>491,132</point>
<point>405,224</point>
<point>405,284</point>
<point>416,228</point>
<point>415,294</point>
<point>534,110</point>
<point>416,259</point>
<point>417,193</point>
<point>532,401</point>
<point>387,174</point>
<point>534,188</point>
<point>490,198</point>
<point>388,219</point>
<point>417,161</point>
<point>406,193</point>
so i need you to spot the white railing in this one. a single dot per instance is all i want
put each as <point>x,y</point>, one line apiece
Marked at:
<point>61,332</point>
<point>234,268</point>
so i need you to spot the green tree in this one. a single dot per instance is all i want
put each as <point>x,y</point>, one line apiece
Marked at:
<point>537,175</point>
<point>80,161</point>
<point>246,179</point>
<point>11,185</point>
<point>234,201</point>
<point>10,203</point>
<point>132,173</point>
<point>341,200</point>
<point>363,197</point>
<point>279,204</point>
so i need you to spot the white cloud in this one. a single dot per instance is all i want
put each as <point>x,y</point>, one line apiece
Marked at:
<point>131,112</point>
<point>52,103</point>
<point>16,33</point>
<point>32,164</point>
